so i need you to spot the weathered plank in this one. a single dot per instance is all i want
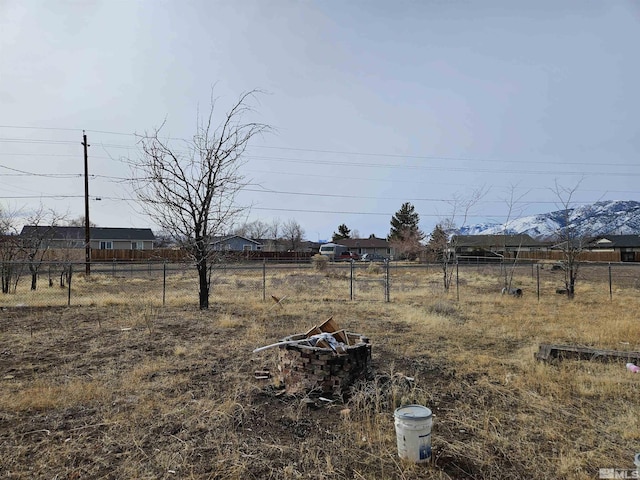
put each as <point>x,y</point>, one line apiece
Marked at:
<point>548,352</point>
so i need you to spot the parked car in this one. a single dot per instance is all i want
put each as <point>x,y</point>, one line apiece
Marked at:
<point>372,257</point>
<point>347,256</point>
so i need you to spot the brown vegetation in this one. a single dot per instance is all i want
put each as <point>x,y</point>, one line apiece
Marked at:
<point>121,389</point>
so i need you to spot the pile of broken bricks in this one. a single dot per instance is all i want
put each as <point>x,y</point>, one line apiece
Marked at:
<point>325,359</point>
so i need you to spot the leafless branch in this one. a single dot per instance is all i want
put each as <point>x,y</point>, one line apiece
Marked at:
<point>190,192</point>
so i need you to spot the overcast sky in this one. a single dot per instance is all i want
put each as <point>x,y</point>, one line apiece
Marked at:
<point>373,103</point>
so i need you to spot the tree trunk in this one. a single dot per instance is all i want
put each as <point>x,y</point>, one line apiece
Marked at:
<point>6,278</point>
<point>33,269</point>
<point>445,276</point>
<point>204,284</point>
<point>571,287</point>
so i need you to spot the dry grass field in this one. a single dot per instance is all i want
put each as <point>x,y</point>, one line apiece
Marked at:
<point>118,387</point>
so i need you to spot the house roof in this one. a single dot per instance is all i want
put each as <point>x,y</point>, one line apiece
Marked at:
<point>489,241</point>
<point>226,238</point>
<point>371,242</point>
<point>615,241</point>
<point>96,233</point>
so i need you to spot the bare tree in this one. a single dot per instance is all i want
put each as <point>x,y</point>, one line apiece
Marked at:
<point>163,239</point>
<point>190,189</point>
<point>36,238</point>
<point>292,234</point>
<point>451,226</point>
<point>65,254</point>
<point>275,228</point>
<point>512,209</point>
<point>80,222</point>
<point>254,230</point>
<point>442,246</point>
<point>9,249</point>
<point>569,238</point>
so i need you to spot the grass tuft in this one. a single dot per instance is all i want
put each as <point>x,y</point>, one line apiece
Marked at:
<point>121,387</point>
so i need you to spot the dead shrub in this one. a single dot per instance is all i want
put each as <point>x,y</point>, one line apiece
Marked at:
<point>446,309</point>
<point>374,269</point>
<point>320,262</point>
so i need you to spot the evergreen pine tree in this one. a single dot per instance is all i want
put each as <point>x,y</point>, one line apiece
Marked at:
<point>405,236</point>
<point>404,224</point>
<point>343,232</point>
<point>438,243</point>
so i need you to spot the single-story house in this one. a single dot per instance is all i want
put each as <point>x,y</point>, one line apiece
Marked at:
<point>274,245</point>
<point>626,246</point>
<point>495,246</point>
<point>235,243</point>
<point>101,238</point>
<point>373,244</point>
<point>309,246</point>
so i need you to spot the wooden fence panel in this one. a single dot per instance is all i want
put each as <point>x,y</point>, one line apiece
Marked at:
<point>585,256</point>
<point>173,255</point>
<point>157,254</point>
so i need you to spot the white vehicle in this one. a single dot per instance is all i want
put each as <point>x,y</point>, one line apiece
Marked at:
<point>332,250</point>
<point>372,257</point>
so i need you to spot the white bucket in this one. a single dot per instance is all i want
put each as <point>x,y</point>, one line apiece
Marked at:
<point>413,432</point>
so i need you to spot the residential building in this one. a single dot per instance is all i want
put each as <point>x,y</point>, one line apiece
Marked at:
<point>373,245</point>
<point>101,238</point>
<point>625,248</point>
<point>235,243</point>
<point>495,246</point>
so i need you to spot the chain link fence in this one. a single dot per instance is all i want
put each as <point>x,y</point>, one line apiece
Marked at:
<point>164,283</point>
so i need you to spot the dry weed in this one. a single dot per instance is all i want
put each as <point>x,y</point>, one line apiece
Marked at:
<point>133,390</point>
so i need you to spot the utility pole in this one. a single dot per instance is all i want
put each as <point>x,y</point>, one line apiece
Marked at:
<point>87,231</point>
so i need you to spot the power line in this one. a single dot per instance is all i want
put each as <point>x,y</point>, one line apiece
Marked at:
<point>304,161</point>
<point>24,173</point>
<point>70,155</point>
<point>37,141</point>
<point>261,190</point>
<point>46,175</point>
<point>323,151</point>
<point>329,195</point>
<point>365,213</point>
<point>115,133</point>
<point>295,210</point>
<point>435,168</point>
<point>18,197</point>
<point>402,167</point>
<point>41,128</point>
<point>402,199</point>
<point>433,157</point>
<point>447,201</point>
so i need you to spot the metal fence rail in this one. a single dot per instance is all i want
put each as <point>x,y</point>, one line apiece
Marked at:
<point>175,283</point>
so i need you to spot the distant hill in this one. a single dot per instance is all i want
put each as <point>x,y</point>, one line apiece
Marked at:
<point>600,218</point>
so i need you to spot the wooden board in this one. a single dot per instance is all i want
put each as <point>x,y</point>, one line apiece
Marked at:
<point>548,352</point>
<point>329,325</point>
<point>313,331</point>
<point>341,336</point>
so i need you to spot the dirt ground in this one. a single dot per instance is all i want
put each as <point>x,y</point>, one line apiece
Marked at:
<point>98,398</point>
<point>116,392</point>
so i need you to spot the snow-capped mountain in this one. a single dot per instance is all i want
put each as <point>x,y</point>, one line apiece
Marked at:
<point>600,218</point>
